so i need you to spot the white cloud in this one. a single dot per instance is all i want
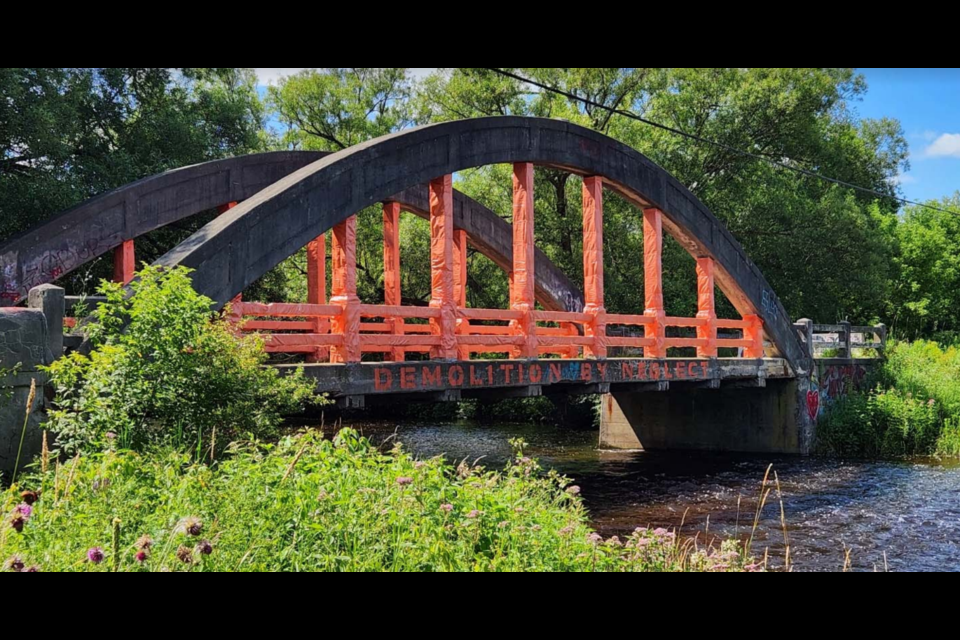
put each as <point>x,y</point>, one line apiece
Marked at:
<point>946,146</point>
<point>271,76</point>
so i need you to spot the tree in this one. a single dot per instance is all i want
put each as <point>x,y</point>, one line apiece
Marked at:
<point>68,134</point>
<point>926,292</point>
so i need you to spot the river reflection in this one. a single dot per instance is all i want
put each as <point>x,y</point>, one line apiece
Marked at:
<point>905,516</point>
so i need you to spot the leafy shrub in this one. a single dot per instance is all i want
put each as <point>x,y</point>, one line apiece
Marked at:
<point>165,370</point>
<point>915,409</point>
<point>307,504</point>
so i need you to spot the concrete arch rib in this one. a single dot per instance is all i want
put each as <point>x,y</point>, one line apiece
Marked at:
<point>77,236</point>
<point>242,245</point>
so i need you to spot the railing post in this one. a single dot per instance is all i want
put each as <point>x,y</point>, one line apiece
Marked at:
<point>124,262</point>
<point>707,305</point>
<point>754,335</point>
<point>347,323</point>
<point>317,290</point>
<point>847,337</point>
<point>51,300</point>
<point>882,334</point>
<point>653,282</point>
<point>806,326</point>
<point>441,243</point>
<point>593,284</point>
<point>523,291</point>
<point>393,294</point>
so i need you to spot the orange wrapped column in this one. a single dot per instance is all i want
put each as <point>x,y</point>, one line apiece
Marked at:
<point>593,266</point>
<point>124,262</point>
<point>317,289</point>
<point>522,291</point>
<point>344,291</point>
<point>391,270</point>
<point>707,304</point>
<point>460,282</point>
<point>653,281</point>
<point>754,335</point>
<point>441,266</point>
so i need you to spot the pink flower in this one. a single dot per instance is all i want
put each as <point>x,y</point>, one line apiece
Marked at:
<point>473,515</point>
<point>447,508</point>
<point>25,510</point>
<point>595,538</point>
<point>95,555</point>
<point>142,556</point>
<point>573,491</point>
<point>419,465</point>
<point>404,482</point>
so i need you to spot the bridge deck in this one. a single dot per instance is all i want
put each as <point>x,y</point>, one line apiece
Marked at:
<point>474,378</point>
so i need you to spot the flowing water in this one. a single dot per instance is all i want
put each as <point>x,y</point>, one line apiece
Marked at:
<point>900,516</point>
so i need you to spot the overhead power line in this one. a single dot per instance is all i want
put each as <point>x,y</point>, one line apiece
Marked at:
<point>700,139</point>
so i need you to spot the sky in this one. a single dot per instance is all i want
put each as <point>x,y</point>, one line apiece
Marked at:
<point>925,101</point>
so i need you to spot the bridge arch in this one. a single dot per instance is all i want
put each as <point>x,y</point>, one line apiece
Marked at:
<point>239,247</point>
<point>105,223</point>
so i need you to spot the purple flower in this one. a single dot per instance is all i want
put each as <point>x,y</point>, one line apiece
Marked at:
<point>185,555</point>
<point>95,555</point>
<point>404,482</point>
<point>447,508</point>
<point>142,556</point>
<point>567,531</point>
<point>25,510</point>
<point>595,538</point>
<point>473,515</point>
<point>205,548</point>
<point>111,435</point>
<point>191,526</point>
<point>14,565</point>
<point>573,491</point>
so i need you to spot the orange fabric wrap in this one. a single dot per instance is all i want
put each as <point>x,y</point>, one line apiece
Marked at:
<point>441,265</point>
<point>707,305</point>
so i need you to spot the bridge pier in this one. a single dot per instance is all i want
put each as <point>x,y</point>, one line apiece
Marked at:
<point>728,418</point>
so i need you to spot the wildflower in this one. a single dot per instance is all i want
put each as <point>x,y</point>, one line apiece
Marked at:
<point>573,491</point>
<point>205,548</point>
<point>33,569</point>
<point>24,510</point>
<point>447,508</point>
<point>503,525</point>
<point>473,515</point>
<point>185,555</point>
<point>753,568</point>
<point>144,543</point>
<point>567,531</point>
<point>932,403</point>
<point>614,542</point>
<point>595,538</point>
<point>111,436</point>
<point>13,565</point>
<point>419,465</point>
<point>29,497</point>
<point>323,496</point>
<point>142,556</point>
<point>95,555</point>
<point>17,523</point>
<point>526,461</point>
<point>404,482</point>
<point>190,526</point>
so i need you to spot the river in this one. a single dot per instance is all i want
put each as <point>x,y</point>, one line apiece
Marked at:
<point>887,516</point>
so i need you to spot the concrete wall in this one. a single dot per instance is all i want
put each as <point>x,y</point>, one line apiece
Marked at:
<point>758,420</point>
<point>25,343</point>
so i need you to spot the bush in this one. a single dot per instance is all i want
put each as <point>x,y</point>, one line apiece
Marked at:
<point>165,370</point>
<point>915,409</point>
<point>307,504</point>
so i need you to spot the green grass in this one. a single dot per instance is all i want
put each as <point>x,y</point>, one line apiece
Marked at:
<point>307,504</point>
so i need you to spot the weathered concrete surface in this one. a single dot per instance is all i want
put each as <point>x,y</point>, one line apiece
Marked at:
<point>24,346</point>
<point>240,246</point>
<point>75,237</point>
<point>761,420</point>
<point>372,379</point>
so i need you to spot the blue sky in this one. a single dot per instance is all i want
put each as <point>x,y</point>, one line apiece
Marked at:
<point>926,101</point>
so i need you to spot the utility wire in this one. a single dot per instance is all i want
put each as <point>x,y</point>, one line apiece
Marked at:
<point>720,145</point>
